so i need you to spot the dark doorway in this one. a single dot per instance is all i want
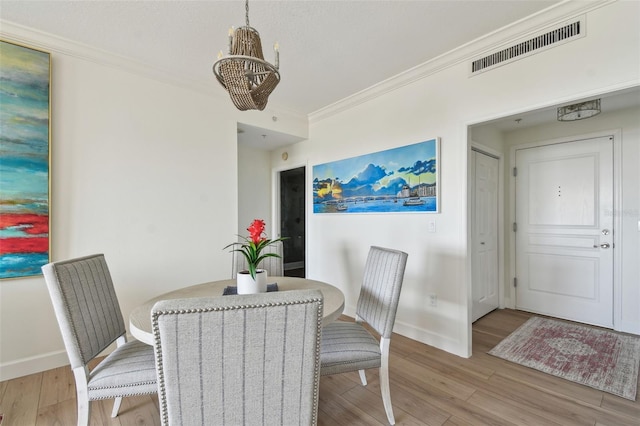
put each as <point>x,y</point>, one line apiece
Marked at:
<point>292,220</point>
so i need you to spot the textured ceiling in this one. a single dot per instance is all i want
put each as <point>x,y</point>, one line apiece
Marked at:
<point>328,49</point>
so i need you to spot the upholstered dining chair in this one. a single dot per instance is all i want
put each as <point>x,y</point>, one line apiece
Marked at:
<point>273,265</point>
<point>239,360</point>
<point>90,320</point>
<point>348,346</point>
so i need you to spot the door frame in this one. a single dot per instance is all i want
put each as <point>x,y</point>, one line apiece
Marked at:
<point>617,204</point>
<point>275,201</point>
<point>483,149</point>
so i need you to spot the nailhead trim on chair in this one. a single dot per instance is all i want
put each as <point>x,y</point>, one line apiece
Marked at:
<point>128,395</point>
<point>316,373</point>
<point>156,334</point>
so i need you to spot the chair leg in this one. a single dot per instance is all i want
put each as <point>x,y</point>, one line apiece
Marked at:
<point>82,396</point>
<point>83,413</point>
<point>116,403</point>
<point>384,380</point>
<point>363,377</point>
<point>116,406</point>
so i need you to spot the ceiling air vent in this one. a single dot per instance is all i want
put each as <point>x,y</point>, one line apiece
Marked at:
<point>553,38</point>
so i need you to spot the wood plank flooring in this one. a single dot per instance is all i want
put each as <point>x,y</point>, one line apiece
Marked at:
<point>428,387</point>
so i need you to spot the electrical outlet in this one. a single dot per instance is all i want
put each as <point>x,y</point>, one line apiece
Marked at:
<point>433,299</point>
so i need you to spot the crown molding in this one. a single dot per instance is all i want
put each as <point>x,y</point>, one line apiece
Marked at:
<point>495,40</point>
<point>51,43</point>
<point>10,31</point>
<point>534,23</point>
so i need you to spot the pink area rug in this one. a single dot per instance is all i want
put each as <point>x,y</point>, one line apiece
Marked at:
<point>601,359</point>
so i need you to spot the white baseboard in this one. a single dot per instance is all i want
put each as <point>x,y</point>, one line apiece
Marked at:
<point>31,365</point>
<point>43,362</point>
<point>628,327</point>
<point>421,335</point>
<point>430,338</point>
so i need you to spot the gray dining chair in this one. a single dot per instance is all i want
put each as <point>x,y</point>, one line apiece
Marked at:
<point>239,360</point>
<point>273,265</point>
<point>90,320</point>
<point>348,346</point>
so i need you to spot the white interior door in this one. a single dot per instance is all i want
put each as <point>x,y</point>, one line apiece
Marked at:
<point>564,238</point>
<point>484,223</point>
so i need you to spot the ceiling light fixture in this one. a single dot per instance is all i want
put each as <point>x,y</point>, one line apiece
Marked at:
<point>244,73</point>
<point>579,111</point>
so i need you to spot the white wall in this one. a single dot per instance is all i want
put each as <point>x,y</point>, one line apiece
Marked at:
<point>144,171</point>
<point>254,188</point>
<point>443,103</point>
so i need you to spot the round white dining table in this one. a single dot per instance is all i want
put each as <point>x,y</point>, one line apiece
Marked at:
<point>140,317</point>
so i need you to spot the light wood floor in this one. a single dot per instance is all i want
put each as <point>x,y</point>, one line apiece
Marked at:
<point>428,387</point>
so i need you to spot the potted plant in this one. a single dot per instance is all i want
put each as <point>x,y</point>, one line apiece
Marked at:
<point>253,280</point>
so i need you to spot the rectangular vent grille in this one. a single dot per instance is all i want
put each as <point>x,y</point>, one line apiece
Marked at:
<point>536,44</point>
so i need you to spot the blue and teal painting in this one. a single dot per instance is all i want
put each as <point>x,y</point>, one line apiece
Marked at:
<point>397,180</point>
<point>24,160</point>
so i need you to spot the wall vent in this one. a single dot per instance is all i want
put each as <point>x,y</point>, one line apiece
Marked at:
<point>536,44</point>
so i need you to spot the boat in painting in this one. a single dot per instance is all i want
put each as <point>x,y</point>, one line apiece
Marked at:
<point>413,201</point>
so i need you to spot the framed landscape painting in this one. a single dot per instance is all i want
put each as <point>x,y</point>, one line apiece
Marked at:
<point>24,160</point>
<point>398,180</point>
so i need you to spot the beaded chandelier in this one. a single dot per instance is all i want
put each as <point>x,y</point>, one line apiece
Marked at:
<point>244,73</point>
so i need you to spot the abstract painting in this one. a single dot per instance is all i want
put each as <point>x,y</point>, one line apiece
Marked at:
<point>397,180</point>
<point>24,160</point>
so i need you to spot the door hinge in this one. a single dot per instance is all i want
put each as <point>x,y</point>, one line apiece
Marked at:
<point>515,171</point>
<point>515,227</point>
<point>515,282</point>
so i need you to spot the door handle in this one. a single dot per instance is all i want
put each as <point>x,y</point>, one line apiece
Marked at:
<point>604,246</point>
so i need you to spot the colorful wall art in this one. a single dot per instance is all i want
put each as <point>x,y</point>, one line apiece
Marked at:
<point>398,180</point>
<point>24,160</point>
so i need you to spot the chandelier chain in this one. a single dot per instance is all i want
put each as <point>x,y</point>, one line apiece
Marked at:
<point>246,7</point>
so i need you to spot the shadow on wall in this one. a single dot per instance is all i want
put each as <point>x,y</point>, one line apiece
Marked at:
<point>433,320</point>
<point>353,281</point>
<point>433,295</point>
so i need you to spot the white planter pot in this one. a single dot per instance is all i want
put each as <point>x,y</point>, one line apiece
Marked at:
<point>247,285</point>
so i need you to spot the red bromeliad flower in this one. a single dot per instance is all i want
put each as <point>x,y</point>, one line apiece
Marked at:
<point>256,229</point>
<point>252,246</point>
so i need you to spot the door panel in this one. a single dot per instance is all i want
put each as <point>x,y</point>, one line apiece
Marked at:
<point>576,274</point>
<point>563,194</point>
<point>484,221</point>
<point>566,206</point>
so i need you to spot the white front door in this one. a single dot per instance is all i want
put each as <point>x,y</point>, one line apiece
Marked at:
<point>484,231</point>
<point>564,237</point>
